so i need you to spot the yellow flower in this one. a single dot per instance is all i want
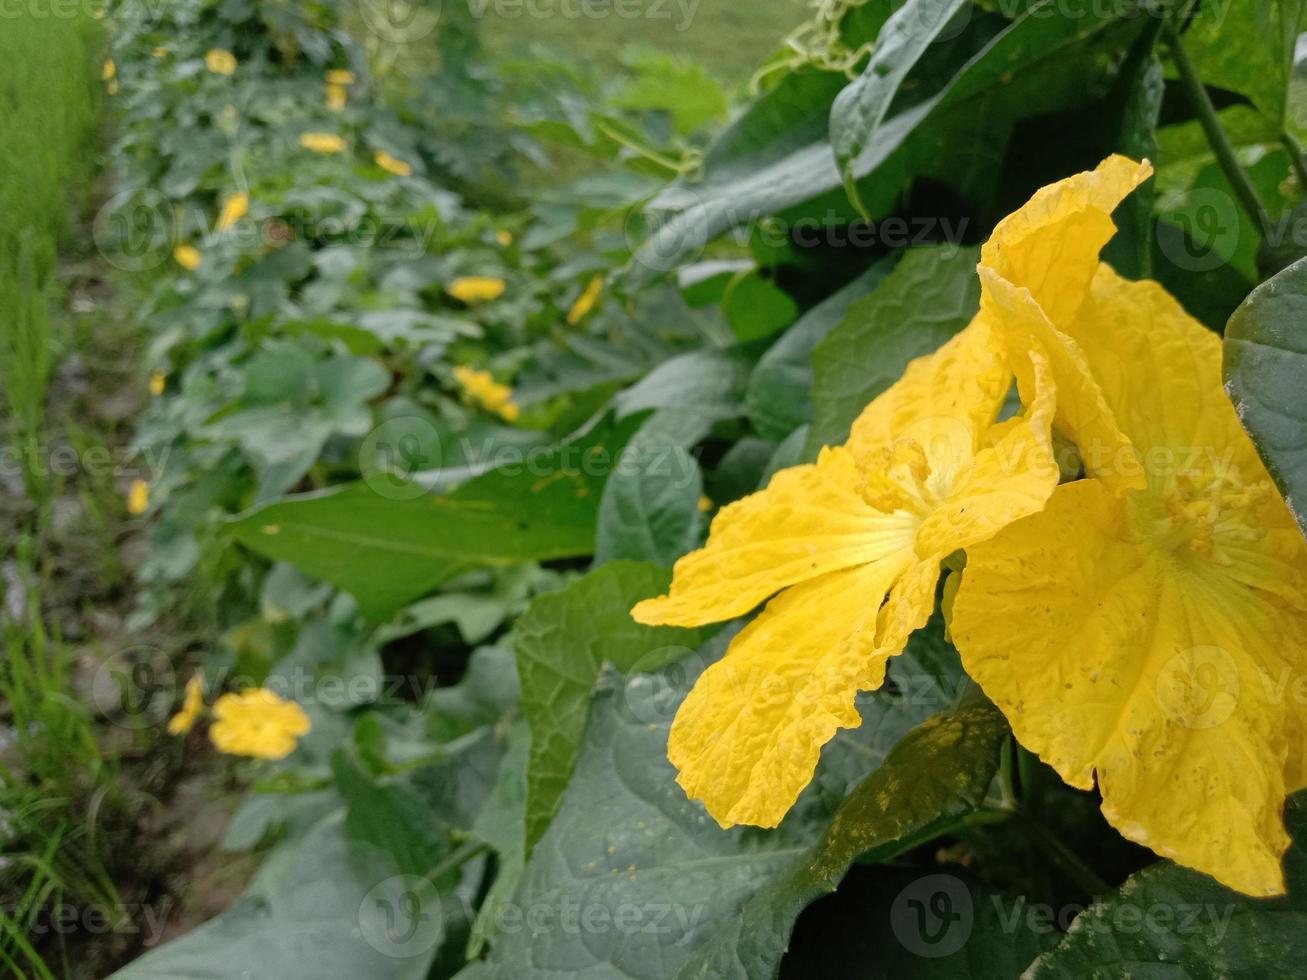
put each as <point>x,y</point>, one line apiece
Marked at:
<point>220,62</point>
<point>110,70</point>
<point>586,301</point>
<point>325,143</point>
<point>340,76</point>
<point>138,497</point>
<point>257,723</point>
<point>504,237</point>
<point>705,504</point>
<point>476,289</point>
<point>160,52</point>
<point>188,257</point>
<point>233,209</point>
<point>396,166</point>
<point>1138,632</point>
<point>337,97</point>
<point>112,86</point>
<point>158,381</point>
<point>192,704</point>
<point>483,389</point>
<point>851,548</point>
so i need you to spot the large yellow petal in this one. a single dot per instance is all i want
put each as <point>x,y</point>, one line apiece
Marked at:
<point>1160,372</point>
<point>1010,477</point>
<point>747,738</point>
<point>810,520</point>
<point>1147,669</point>
<point>1083,413</point>
<point>944,402</point>
<point>1050,245</point>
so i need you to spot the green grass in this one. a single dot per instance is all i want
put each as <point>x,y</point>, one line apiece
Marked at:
<point>48,105</point>
<point>729,38</point>
<point>51,774</point>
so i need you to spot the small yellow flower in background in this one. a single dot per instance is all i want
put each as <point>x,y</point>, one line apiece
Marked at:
<point>476,289</point>
<point>483,389</point>
<point>158,381</point>
<point>138,497</point>
<point>111,86</point>
<point>220,62</point>
<point>586,301</point>
<point>341,76</point>
<point>705,504</point>
<point>188,257</point>
<point>233,209</point>
<point>337,97</point>
<point>192,704</point>
<point>393,164</point>
<point>325,143</point>
<point>160,52</point>
<point>504,237</point>
<point>110,70</point>
<point>257,723</point>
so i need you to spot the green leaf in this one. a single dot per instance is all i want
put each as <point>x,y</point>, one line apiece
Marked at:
<point>386,541</point>
<point>939,772</point>
<point>931,295</point>
<point>298,923</point>
<point>756,307</point>
<point>1265,372</point>
<point>860,109</point>
<point>563,642</point>
<point>1048,60</point>
<point>388,817</point>
<point>1168,921</point>
<point>652,876</point>
<point>650,507</point>
<point>1247,46</point>
<point>779,397</point>
<point>673,84</point>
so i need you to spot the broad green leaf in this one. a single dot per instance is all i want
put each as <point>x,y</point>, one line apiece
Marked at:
<point>292,923</point>
<point>563,641</point>
<point>675,85</point>
<point>654,876</point>
<point>939,772</point>
<point>650,507</point>
<point>711,382</point>
<point>1247,46</point>
<point>861,107</point>
<point>1048,60</point>
<point>388,817</point>
<point>386,541</point>
<point>779,396</point>
<point>1265,373</point>
<point>1168,921</point>
<point>931,295</point>
<point>756,307</point>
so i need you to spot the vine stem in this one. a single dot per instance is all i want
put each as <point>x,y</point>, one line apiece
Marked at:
<point>1061,855</point>
<point>1216,135</point>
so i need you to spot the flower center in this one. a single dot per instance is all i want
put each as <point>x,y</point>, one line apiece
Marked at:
<point>895,477</point>
<point>1199,512</point>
